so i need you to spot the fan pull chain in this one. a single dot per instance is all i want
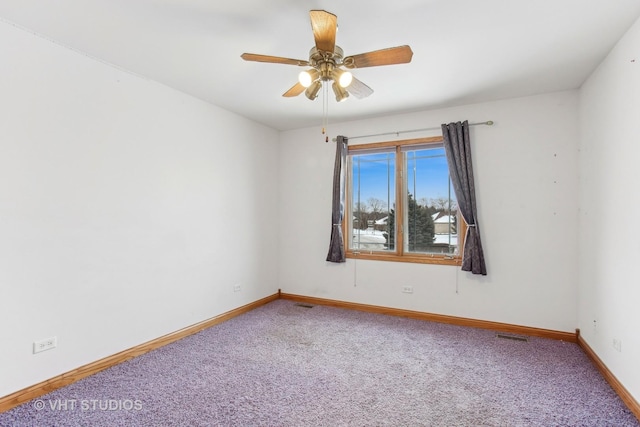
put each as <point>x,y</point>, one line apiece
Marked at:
<point>325,111</point>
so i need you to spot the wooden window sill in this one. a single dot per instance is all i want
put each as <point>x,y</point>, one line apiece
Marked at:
<point>412,258</point>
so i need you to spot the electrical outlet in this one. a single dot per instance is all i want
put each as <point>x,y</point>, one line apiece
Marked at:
<point>236,288</point>
<point>617,344</point>
<point>46,344</point>
<point>407,289</point>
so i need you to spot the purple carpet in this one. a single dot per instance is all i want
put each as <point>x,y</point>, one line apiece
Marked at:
<point>288,365</point>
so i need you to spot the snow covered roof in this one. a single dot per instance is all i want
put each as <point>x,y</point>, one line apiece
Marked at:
<point>382,221</point>
<point>445,219</point>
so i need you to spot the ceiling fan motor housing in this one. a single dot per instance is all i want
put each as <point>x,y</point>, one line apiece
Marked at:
<point>326,62</point>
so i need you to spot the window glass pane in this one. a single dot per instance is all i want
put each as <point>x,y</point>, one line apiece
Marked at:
<point>430,218</point>
<point>372,200</point>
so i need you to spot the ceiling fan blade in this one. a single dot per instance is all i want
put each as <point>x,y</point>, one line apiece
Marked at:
<point>390,56</point>
<point>273,59</point>
<point>295,90</point>
<point>359,89</point>
<point>324,25</point>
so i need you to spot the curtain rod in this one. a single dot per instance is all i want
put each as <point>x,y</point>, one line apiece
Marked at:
<point>397,133</point>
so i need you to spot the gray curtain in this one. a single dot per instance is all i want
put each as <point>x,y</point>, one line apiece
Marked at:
<point>458,151</point>
<point>336,246</point>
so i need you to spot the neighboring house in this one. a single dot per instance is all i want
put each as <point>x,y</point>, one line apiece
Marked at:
<point>369,239</point>
<point>446,236</point>
<point>443,224</point>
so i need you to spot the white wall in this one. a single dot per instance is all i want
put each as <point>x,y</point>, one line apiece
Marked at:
<point>609,289</point>
<point>526,174</point>
<point>127,210</point>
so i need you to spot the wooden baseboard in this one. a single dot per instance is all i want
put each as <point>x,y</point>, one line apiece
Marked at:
<point>24,395</point>
<point>624,394</point>
<point>460,321</point>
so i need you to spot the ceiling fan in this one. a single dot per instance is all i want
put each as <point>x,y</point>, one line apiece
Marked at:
<point>327,60</point>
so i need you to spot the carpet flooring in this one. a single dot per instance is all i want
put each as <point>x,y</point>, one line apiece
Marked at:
<point>284,364</point>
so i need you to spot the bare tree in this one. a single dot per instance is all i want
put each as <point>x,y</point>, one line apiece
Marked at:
<point>444,204</point>
<point>361,216</point>
<point>359,207</point>
<point>376,206</point>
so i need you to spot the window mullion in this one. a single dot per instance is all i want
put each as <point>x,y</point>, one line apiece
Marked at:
<point>400,201</point>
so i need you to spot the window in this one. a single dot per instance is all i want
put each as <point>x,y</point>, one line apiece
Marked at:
<point>400,203</point>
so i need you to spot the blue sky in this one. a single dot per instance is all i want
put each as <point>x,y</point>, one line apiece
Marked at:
<point>371,172</point>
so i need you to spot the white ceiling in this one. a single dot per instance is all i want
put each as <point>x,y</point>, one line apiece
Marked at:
<point>465,51</point>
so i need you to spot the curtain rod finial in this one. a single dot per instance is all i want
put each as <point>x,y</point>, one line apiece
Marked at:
<point>489,123</point>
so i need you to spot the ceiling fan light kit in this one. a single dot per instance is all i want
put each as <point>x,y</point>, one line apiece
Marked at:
<point>307,77</point>
<point>326,60</point>
<point>313,89</point>
<point>340,92</point>
<point>344,78</point>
